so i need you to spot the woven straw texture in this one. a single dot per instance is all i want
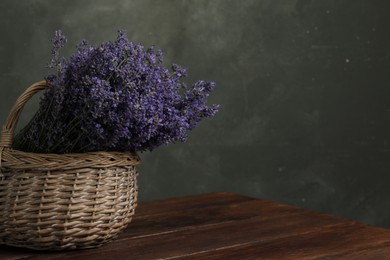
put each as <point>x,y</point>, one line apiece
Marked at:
<point>62,201</point>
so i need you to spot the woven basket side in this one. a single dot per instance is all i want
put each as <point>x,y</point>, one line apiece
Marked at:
<point>67,209</point>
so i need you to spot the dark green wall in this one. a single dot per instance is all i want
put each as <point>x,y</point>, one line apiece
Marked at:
<point>304,88</point>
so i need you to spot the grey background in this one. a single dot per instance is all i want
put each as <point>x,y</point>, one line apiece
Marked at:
<point>304,89</point>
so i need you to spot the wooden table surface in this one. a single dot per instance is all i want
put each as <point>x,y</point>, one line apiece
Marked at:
<point>230,226</point>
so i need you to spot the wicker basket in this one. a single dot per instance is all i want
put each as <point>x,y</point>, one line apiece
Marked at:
<point>62,201</point>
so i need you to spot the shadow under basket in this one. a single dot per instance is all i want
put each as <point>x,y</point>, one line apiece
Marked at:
<point>62,201</point>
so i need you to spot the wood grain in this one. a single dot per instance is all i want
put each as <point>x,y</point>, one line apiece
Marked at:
<point>230,226</point>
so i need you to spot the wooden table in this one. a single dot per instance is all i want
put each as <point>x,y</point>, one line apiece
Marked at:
<point>230,226</point>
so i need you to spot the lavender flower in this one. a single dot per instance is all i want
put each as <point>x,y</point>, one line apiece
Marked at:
<point>117,96</point>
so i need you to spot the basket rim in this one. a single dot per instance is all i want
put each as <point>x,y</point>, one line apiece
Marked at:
<point>18,160</point>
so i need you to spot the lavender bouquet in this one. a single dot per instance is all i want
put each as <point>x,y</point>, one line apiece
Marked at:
<point>114,97</point>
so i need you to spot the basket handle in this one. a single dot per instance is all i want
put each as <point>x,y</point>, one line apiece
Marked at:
<point>7,133</point>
